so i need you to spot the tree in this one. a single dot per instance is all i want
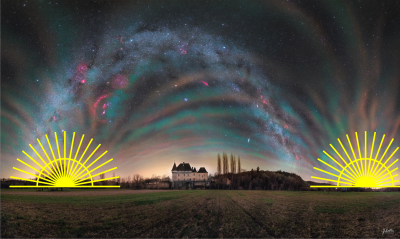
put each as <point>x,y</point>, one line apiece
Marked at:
<point>232,163</point>
<point>258,169</point>
<point>136,179</point>
<point>225,163</point>
<point>155,178</point>
<point>219,165</point>
<point>102,176</point>
<point>239,166</point>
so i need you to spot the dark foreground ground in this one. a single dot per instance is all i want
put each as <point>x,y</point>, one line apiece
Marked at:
<point>200,213</point>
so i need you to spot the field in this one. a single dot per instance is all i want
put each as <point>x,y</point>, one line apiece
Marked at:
<point>198,213</point>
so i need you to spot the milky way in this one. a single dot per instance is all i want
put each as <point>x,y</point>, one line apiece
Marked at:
<point>274,82</point>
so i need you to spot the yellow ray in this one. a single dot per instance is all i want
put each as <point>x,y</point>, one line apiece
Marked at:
<point>385,162</point>
<point>84,152</point>
<point>65,149</point>
<point>333,159</point>
<point>76,154</point>
<point>359,154</point>
<point>334,175</point>
<point>101,165</point>
<point>372,150</point>
<point>51,149</point>
<point>97,159</point>
<point>351,161</point>
<point>70,152</point>
<point>337,181</point>
<point>37,176</point>
<point>39,157</point>
<point>353,175</point>
<point>390,172</point>
<point>28,180</point>
<point>31,167</point>
<point>376,156</point>
<point>73,176</point>
<point>390,177</point>
<point>383,156</point>
<point>93,175</point>
<point>355,158</point>
<point>55,175</point>
<point>365,153</point>
<point>63,173</point>
<point>100,180</point>
<point>395,181</point>
<point>364,174</point>
<point>59,155</point>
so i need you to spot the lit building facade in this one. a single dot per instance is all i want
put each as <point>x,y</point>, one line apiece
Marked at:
<point>184,176</point>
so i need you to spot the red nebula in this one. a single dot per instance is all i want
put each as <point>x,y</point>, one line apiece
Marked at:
<point>182,51</point>
<point>120,82</point>
<point>82,68</point>
<point>265,102</point>
<point>120,38</point>
<point>297,158</point>
<point>83,81</point>
<point>261,96</point>
<point>104,106</point>
<point>286,127</point>
<point>97,102</point>
<point>205,83</point>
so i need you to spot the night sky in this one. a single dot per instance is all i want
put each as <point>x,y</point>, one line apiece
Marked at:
<point>275,82</point>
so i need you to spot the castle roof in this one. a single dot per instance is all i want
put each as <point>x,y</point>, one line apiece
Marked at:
<point>202,170</point>
<point>184,167</point>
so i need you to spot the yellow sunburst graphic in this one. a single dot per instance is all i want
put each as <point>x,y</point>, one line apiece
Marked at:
<point>64,171</point>
<point>362,171</point>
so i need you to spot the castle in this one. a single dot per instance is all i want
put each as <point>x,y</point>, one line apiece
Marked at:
<point>185,176</point>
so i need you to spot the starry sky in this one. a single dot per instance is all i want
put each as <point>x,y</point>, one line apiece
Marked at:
<point>155,82</point>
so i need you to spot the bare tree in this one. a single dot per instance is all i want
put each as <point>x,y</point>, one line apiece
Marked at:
<point>136,179</point>
<point>102,176</point>
<point>219,165</point>
<point>225,163</point>
<point>239,166</point>
<point>129,181</point>
<point>232,163</point>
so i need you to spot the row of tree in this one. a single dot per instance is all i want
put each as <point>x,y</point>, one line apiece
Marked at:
<point>225,164</point>
<point>241,179</point>
<point>259,179</point>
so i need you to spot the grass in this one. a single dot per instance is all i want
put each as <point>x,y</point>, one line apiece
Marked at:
<point>202,213</point>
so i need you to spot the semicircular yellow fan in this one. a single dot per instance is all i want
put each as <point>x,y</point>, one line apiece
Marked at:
<point>362,171</point>
<point>64,171</point>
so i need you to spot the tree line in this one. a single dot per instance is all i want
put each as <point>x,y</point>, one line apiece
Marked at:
<point>139,182</point>
<point>225,164</point>
<point>232,176</point>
